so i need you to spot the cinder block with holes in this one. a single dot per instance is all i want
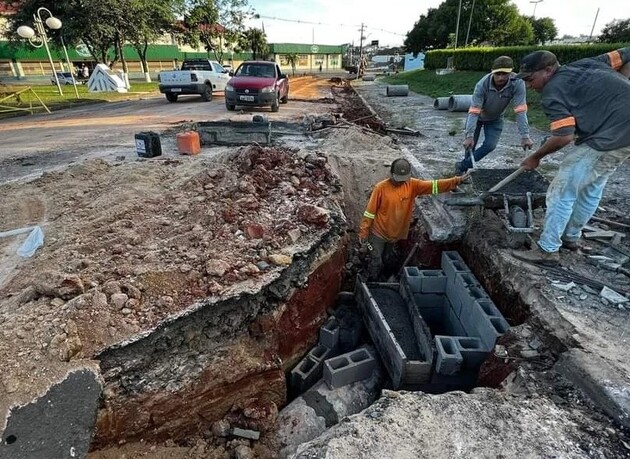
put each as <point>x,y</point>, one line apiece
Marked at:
<point>472,350</point>
<point>432,281</point>
<point>411,275</point>
<point>320,353</point>
<point>305,374</point>
<point>472,295</point>
<point>329,333</point>
<point>348,368</point>
<point>487,328</point>
<point>449,359</point>
<point>452,262</point>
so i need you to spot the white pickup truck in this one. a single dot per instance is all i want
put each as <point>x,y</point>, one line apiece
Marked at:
<point>197,76</point>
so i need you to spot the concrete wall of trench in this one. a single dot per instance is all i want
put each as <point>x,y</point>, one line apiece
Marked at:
<point>226,356</point>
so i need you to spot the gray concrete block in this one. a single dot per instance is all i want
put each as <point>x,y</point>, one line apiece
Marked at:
<point>348,368</point>
<point>429,300</point>
<point>452,262</point>
<point>329,333</point>
<point>452,296</point>
<point>489,308</point>
<point>320,353</point>
<point>432,281</point>
<point>469,296</point>
<point>486,328</point>
<point>453,325</point>
<point>411,275</point>
<point>305,374</point>
<point>472,350</point>
<point>449,359</point>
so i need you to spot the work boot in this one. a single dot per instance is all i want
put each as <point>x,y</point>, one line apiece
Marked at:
<point>573,246</point>
<point>538,256</point>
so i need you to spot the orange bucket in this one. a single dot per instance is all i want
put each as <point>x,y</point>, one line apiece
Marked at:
<point>188,143</point>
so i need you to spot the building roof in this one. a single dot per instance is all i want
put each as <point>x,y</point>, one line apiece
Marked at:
<point>301,48</point>
<point>10,8</point>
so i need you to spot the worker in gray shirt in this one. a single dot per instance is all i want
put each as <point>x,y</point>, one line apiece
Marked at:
<point>493,93</point>
<point>587,102</point>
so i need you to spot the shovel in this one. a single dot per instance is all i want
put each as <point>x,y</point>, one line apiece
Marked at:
<point>478,201</point>
<point>412,252</point>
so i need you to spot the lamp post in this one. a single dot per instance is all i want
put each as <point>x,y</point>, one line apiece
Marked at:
<point>535,2</point>
<point>38,38</point>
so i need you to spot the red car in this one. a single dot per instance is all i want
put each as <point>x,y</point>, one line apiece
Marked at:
<point>257,84</point>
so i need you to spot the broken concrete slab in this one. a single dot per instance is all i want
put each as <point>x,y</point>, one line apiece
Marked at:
<point>599,381</point>
<point>59,424</point>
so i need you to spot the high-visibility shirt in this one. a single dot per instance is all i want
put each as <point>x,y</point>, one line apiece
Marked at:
<point>388,213</point>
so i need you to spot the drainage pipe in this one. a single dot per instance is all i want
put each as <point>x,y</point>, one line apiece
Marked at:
<point>460,103</point>
<point>320,408</point>
<point>397,90</point>
<point>441,103</point>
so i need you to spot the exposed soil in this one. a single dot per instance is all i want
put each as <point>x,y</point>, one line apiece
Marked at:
<point>128,244</point>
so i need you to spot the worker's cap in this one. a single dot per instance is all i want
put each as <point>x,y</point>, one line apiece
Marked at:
<point>536,61</point>
<point>502,64</point>
<point>401,170</point>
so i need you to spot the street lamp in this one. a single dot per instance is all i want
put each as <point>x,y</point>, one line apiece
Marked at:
<point>38,38</point>
<point>535,2</point>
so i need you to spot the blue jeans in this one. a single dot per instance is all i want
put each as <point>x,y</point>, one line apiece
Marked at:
<point>575,192</point>
<point>491,132</point>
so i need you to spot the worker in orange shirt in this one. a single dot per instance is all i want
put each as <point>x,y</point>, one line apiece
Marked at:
<point>388,214</point>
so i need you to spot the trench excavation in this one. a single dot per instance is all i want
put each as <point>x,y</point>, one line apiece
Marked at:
<point>229,349</point>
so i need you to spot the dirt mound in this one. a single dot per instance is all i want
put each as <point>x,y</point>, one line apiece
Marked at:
<point>129,245</point>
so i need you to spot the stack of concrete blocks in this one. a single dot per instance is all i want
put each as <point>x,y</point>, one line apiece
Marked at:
<point>471,311</point>
<point>310,369</point>
<point>348,368</point>
<point>427,288</point>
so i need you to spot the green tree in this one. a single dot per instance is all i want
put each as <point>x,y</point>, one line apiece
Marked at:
<point>617,31</point>
<point>215,24</point>
<point>255,40</point>
<point>292,59</point>
<point>493,21</point>
<point>545,29</point>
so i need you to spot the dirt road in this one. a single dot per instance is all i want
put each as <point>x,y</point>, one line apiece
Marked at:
<point>31,145</point>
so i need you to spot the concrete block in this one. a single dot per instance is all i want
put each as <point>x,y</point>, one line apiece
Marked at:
<point>305,374</point>
<point>320,353</point>
<point>411,275</point>
<point>428,300</point>
<point>486,328</point>
<point>432,281</point>
<point>453,325</point>
<point>449,359</point>
<point>489,308</point>
<point>348,368</point>
<point>452,262</point>
<point>473,351</point>
<point>329,333</point>
<point>454,300</point>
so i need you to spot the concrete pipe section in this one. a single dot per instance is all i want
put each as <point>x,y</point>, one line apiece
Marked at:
<point>459,103</point>
<point>441,103</point>
<point>397,90</point>
<point>369,77</point>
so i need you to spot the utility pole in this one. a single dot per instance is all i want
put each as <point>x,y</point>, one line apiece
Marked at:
<point>459,13</point>
<point>472,10</point>
<point>360,53</point>
<point>593,28</point>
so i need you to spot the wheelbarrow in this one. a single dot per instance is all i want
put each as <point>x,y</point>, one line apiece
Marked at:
<point>512,193</point>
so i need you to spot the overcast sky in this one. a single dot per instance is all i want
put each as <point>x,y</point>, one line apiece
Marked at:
<point>336,22</point>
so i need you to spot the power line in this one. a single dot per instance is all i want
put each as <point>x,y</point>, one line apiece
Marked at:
<point>299,21</point>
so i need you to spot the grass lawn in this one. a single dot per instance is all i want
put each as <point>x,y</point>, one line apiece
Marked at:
<point>50,96</point>
<point>428,83</point>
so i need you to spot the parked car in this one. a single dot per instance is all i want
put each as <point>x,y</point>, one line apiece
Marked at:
<point>257,84</point>
<point>64,78</point>
<point>196,76</point>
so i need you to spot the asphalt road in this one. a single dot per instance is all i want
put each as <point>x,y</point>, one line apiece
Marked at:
<point>33,144</point>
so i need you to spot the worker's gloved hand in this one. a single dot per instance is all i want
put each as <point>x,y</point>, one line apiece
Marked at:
<point>469,143</point>
<point>465,176</point>
<point>527,144</point>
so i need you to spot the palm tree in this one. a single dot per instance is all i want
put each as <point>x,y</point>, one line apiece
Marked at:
<point>292,60</point>
<point>255,40</point>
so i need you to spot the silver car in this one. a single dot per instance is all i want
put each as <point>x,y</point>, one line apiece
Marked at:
<point>64,78</point>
